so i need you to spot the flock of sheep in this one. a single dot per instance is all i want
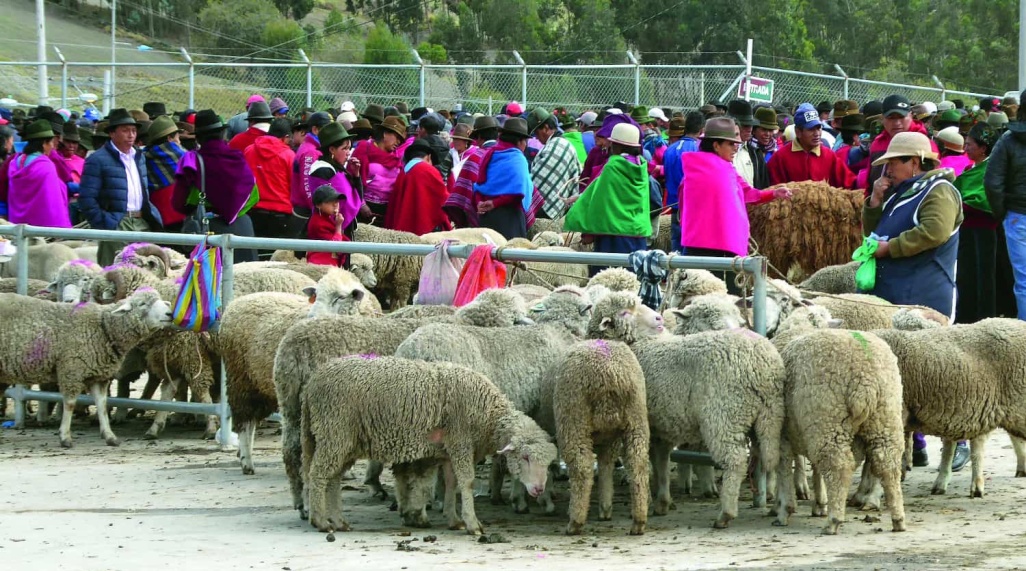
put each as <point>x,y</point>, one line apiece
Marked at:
<point>555,366</point>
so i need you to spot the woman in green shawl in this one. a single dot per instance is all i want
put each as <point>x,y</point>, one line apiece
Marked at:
<point>977,247</point>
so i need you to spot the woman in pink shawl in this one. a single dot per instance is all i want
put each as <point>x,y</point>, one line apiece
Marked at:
<point>36,194</point>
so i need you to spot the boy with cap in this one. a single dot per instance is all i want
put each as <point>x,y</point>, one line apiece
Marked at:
<point>326,223</point>
<point>808,157</point>
<point>308,152</point>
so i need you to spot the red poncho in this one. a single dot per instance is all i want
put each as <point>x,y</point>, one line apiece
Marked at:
<point>416,202</point>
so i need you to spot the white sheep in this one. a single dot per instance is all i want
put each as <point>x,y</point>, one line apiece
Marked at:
<point>685,284</point>
<point>548,274</point>
<point>73,280</point>
<point>78,347</point>
<point>616,279</point>
<point>475,236</point>
<point>397,276</point>
<point>832,279</point>
<point>43,261</point>
<point>398,410</point>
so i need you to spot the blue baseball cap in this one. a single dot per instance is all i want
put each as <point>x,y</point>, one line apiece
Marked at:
<point>807,117</point>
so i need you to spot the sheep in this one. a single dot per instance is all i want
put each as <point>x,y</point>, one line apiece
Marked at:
<point>521,243</point>
<point>962,382</point>
<point>87,252</point>
<point>542,225</point>
<point>832,279</point>
<point>708,312</point>
<point>77,347</point>
<point>685,284</point>
<point>398,276</point>
<point>36,288</point>
<point>531,293</point>
<point>73,280</point>
<point>149,257</point>
<point>398,410</point>
<point>842,391</point>
<point>494,308</point>
<point>117,281</point>
<point>475,236</point>
<point>43,262</point>
<point>661,236</point>
<point>552,274</point>
<point>547,239</point>
<point>616,279</point>
<point>859,311</point>
<point>251,329</point>
<point>360,265</point>
<point>422,312</point>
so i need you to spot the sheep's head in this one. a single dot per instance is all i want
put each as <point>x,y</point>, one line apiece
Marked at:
<point>623,317</point>
<point>809,316</point>
<point>528,450</point>
<point>117,282</point>
<point>495,308</point>
<point>917,318</point>
<point>709,312</point>
<point>147,306</point>
<point>149,257</point>
<point>569,306</point>
<point>74,280</point>
<point>362,266</point>
<point>616,279</point>
<point>686,284</point>
<point>337,293</point>
<point>548,239</point>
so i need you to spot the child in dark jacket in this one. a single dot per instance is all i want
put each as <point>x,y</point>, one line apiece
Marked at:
<point>327,224</point>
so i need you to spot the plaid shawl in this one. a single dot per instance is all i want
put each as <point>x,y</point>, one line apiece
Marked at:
<point>460,204</point>
<point>161,163</point>
<point>553,170</point>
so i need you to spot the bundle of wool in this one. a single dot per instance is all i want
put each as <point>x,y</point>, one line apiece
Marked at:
<point>820,226</point>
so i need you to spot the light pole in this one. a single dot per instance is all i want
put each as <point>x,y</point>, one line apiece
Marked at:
<point>113,52</point>
<point>44,94</point>
<point>1022,45</point>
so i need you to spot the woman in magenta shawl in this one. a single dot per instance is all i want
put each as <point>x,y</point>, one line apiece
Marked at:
<point>36,193</point>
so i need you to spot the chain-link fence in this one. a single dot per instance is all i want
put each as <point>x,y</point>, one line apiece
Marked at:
<point>224,87</point>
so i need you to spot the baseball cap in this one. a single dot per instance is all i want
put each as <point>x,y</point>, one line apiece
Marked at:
<point>806,117</point>
<point>587,118</point>
<point>325,193</point>
<point>318,119</point>
<point>945,106</point>
<point>896,104</point>
<point>657,113</point>
<point>347,106</point>
<point>514,108</point>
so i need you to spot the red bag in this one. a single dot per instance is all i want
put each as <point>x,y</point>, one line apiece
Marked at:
<point>480,272</point>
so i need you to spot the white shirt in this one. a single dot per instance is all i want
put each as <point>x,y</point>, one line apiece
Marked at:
<point>743,165</point>
<point>135,193</point>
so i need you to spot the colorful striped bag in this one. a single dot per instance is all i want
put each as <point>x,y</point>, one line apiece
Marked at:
<point>198,307</point>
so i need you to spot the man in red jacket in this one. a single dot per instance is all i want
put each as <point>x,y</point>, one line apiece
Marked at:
<point>806,158</point>
<point>896,119</point>
<point>259,117</point>
<point>270,158</point>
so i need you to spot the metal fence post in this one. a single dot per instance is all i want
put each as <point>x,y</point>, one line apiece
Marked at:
<point>192,78</point>
<point>227,287</point>
<point>523,78</point>
<point>940,84</point>
<point>64,77</point>
<point>759,293</point>
<point>420,62</point>
<point>309,78</point>
<point>21,259</point>
<point>845,75</point>
<point>637,77</point>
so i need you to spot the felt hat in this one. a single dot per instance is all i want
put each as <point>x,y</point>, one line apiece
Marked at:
<point>465,119</point>
<point>516,126</point>
<point>38,129</point>
<point>854,122</point>
<point>896,104</point>
<point>566,119</point>
<point>485,122</point>
<point>417,112</point>
<point>374,113</point>
<point>709,110</point>
<point>259,111</point>
<point>402,107</point>
<point>139,115</point>
<point>951,139</point>
<point>431,122</point>
<point>154,109</point>
<point>86,135</point>
<point>119,117</point>
<point>845,107</point>
<point>872,109</point>
<point>907,144</point>
<point>162,126</point>
<point>824,107</point>
<point>996,119</point>
<point>536,118</point>
<point>362,128</point>
<point>948,118</point>
<point>333,134</point>
<point>640,114</point>
<point>462,132</point>
<point>101,132</point>
<point>187,129</point>
<point>945,106</point>
<point>626,134</point>
<point>326,193</point>
<point>676,127</point>
<point>208,122</point>
<point>394,125</point>
<point>278,105</point>
<point>741,111</point>
<point>766,118</point>
<point>722,128</point>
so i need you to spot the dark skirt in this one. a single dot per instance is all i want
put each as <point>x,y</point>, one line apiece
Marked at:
<point>379,211</point>
<point>977,259</point>
<point>509,220</point>
<point>727,277</point>
<point>242,226</point>
<point>616,245</point>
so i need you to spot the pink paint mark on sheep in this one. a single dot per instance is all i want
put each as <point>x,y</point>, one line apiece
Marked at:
<point>37,351</point>
<point>746,332</point>
<point>84,263</point>
<point>129,251</point>
<point>117,266</point>
<point>602,347</point>
<point>79,307</point>
<point>145,289</point>
<point>368,356</point>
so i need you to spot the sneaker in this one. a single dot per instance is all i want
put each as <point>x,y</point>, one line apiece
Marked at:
<point>961,457</point>
<point>920,458</point>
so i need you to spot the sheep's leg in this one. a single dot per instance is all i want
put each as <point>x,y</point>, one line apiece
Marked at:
<point>495,477</point>
<point>124,391</point>
<point>976,455</point>
<point>545,499</point>
<point>659,455</point>
<point>152,384</point>
<point>606,463</point>
<point>734,459</point>
<point>705,487</point>
<point>203,395</point>
<point>578,463</point>
<point>69,411</point>
<point>42,412</point>
<point>1020,456</point>
<point>771,486</point>
<point>439,496</point>
<point>759,497</point>
<point>518,497</point>
<point>836,468</point>
<point>637,469</point>
<point>449,507</point>
<point>247,433</point>
<point>100,398</point>
<point>463,469</point>
<point>885,463</point>
<point>325,480</point>
<point>867,496</point>
<point>785,505</point>
<point>819,507</point>
<point>373,479</point>
<point>940,485</point>
<point>291,455</point>
<point>168,388</point>
<point>685,472</point>
<point>801,479</point>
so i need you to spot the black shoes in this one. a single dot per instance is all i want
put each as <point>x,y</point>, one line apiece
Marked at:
<point>961,456</point>
<point>920,459</point>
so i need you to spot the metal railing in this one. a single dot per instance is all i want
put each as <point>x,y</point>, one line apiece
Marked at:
<point>224,87</point>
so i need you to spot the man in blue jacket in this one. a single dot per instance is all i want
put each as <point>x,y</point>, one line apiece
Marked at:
<point>113,195</point>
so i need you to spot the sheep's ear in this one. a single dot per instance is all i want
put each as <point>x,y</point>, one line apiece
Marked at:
<point>538,307</point>
<point>51,287</point>
<point>624,313</point>
<point>506,450</point>
<point>123,308</point>
<point>743,302</point>
<point>311,293</point>
<point>679,313</point>
<point>606,324</point>
<point>586,309</point>
<point>524,321</point>
<point>358,294</point>
<point>835,323</point>
<point>436,436</point>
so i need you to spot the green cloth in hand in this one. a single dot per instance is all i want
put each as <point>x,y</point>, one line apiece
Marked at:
<point>865,276</point>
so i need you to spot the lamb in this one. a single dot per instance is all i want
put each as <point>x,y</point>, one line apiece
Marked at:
<point>685,284</point>
<point>859,311</point>
<point>832,279</point>
<point>616,279</point>
<point>494,308</point>
<point>398,410</point>
<point>43,262</point>
<point>73,280</point>
<point>398,276</point>
<point>475,236</point>
<point>77,347</point>
<point>843,392</point>
<point>251,329</point>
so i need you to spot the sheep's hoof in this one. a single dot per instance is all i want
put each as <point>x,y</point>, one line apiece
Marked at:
<point>723,522</point>
<point>416,519</point>
<point>574,528</point>
<point>457,525</point>
<point>779,522</point>
<point>772,512</point>
<point>66,443</point>
<point>112,441</point>
<point>329,525</point>
<point>150,435</point>
<point>521,509</point>
<point>475,530</point>
<point>247,470</point>
<point>1020,474</point>
<point>802,493</point>
<point>832,527</point>
<point>209,434</point>
<point>394,506</point>
<point>661,507</point>
<point>497,501</point>
<point>898,525</point>
<point>977,493</point>
<point>939,491</point>
<point>605,514</point>
<point>637,528</point>
<point>819,511</point>
<point>303,514</point>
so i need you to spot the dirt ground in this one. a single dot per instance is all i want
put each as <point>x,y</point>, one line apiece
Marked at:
<point>148,503</point>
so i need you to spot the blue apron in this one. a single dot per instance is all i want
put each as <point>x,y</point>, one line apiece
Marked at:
<point>928,278</point>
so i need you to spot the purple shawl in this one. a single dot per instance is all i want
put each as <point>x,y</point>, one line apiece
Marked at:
<point>229,180</point>
<point>613,120</point>
<point>37,195</point>
<point>350,203</point>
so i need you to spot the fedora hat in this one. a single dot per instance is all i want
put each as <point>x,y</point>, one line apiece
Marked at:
<point>362,128</point>
<point>853,122</point>
<point>139,115</point>
<point>845,107</point>
<point>515,126</point>
<point>71,133</point>
<point>39,129</point>
<point>259,111</point>
<point>119,117</point>
<point>676,127</point>
<point>722,128</point>
<point>395,125</point>
<point>626,134</point>
<point>907,144</point>
<point>333,134</point>
<point>154,109</point>
<point>485,122</point>
<point>207,121</point>
<point>162,126</point>
<point>767,118</point>
<point>187,130</point>
<point>741,111</point>
<point>640,114</point>
<point>536,118</point>
<point>462,132</point>
<point>374,113</point>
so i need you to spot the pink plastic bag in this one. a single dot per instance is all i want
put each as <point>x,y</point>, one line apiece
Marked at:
<point>439,276</point>
<point>481,272</point>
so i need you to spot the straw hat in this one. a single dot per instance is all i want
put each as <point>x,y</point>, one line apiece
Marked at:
<point>625,134</point>
<point>907,144</point>
<point>951,139</point>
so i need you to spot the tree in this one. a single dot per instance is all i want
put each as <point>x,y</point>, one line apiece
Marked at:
<point>239,24</point>
<point>296,9</point>
<point>284,37</point>
<point>384,47</point>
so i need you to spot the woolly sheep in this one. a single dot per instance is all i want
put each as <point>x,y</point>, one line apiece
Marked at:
<point>616,279</point>
<point>252,328</point>
<point>859,311</point>
<point>180,358</point>
<point>547,239</point>
<point>685,284</point>
<point>531,293</point>
<point>73,280</point>
<point>77,347</point>
<point>842,391</point>
<point>494,308</point>
<point>422,312</point>
<point>36,288</point>
<point>981,368</point>
<point>398,276</point>
<point>43,262</point>
<point>661,236</point>
<point>284,256</point>
<point>832,279</point>
<point>542,225</point>
<point>475,236</point>
<point>553,274</point>
<point>116,282</point>
<point>520,243</point>
<point>708,312</point>
<point>149,257</point>
<point>397,410</point>
<point>87,252</point>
